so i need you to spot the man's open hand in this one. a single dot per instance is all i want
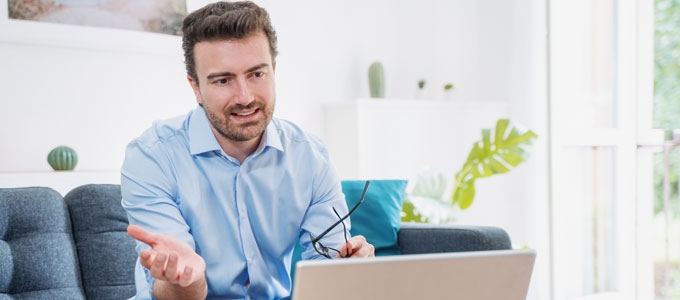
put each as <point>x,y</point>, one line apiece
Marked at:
<point>171,261</point>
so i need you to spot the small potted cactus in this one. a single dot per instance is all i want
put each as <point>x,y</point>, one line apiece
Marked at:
<point>62,158</point>
<point>448,90</point>
<point>420,93</point>
<point>376,80</point>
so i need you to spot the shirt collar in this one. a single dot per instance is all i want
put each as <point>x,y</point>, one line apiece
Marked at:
<point>202,139</point>
<point>273,139</point>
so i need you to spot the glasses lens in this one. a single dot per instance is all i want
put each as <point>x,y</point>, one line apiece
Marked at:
<point>328,252</point>
<point>333,253</point>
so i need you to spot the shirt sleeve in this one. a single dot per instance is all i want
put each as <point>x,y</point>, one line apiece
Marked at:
<point>327,194</point>
<point>149,198</point>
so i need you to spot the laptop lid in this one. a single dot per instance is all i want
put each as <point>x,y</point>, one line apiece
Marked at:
<point>498,274</point>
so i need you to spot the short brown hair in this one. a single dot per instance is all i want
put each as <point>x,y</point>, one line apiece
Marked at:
<point>223,21</point>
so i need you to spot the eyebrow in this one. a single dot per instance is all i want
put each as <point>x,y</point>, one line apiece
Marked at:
<point>226,74</point>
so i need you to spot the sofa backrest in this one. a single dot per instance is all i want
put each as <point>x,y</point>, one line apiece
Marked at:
<point>417,238</point>
<point>106,252</point>
<point>38,257</point>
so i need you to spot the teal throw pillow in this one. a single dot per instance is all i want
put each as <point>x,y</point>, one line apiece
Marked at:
<point>378,219</point>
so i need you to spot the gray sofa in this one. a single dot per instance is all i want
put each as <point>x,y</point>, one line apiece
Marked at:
<point>76,247</point>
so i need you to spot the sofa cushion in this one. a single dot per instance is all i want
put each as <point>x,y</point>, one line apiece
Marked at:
<point>37,254</point>
<point>106,252</point>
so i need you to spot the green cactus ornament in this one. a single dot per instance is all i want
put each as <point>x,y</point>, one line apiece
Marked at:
<point>62,158</point>
<point>376,80</point>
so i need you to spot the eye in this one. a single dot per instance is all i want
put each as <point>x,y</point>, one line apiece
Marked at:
<point>222,81</point>
<point>258,74</point>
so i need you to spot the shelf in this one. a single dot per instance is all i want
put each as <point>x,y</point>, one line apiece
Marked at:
<point>397,138</point>
<point>61,181</point>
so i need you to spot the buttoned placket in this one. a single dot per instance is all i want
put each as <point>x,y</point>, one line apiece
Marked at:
<point>248,243</point>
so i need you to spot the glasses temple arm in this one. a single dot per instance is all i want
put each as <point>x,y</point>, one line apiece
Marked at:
<point>361,200</point>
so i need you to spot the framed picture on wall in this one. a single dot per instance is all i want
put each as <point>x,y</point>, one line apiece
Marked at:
<point>129,25</point>
<point>159,16</point>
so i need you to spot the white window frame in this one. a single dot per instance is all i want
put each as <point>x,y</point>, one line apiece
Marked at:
<point>633,164</point>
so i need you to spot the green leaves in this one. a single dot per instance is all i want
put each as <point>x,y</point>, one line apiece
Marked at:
<point>409,213</point>
<point>424,203</point>
<point>666,64</point>
<point>490,156</point>
<point>430,184</point>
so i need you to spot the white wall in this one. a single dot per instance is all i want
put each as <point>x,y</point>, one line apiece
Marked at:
<point>93,101</point>
<point>95,89</point>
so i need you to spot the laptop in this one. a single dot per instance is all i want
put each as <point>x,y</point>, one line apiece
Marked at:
<point>478,275</point>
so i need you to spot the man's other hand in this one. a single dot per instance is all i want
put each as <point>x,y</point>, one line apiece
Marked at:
<point>357,246</point>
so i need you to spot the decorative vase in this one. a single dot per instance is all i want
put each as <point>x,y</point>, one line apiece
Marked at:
<point>62,158</point>
<point>376,80</point>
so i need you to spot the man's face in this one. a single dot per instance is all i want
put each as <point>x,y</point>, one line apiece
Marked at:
<point>235,86</point>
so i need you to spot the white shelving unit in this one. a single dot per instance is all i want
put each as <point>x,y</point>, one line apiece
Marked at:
<point>61,181</point>
<point>393,138</point>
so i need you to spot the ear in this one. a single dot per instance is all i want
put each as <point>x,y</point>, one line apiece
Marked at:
<point>197,92</point>
<point>274,65</point>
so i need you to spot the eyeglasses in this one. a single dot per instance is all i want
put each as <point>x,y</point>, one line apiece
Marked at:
<point>316,240</point>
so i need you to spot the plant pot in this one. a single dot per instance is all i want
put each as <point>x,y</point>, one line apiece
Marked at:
<point>62,158</point>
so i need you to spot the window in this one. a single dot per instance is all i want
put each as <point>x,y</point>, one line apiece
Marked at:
<point>666,112</point>
<point>593,62</point>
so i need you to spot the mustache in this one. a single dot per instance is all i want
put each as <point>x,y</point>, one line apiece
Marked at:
<point>240,107</point>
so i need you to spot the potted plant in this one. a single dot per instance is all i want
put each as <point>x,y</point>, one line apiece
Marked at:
<point>448,90</point>
<point>421,89</point>
<point>499,151</point>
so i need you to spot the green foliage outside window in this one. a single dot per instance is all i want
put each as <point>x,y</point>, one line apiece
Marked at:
<point>667,117</point>
<point>667,64</point>
<point>666,92</point>
<point>658,183</point>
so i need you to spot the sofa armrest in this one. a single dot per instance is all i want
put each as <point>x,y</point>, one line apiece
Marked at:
<point>106,252</point>
<point>415,238</point>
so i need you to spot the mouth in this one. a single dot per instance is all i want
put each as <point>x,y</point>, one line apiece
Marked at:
<point>245,114</point>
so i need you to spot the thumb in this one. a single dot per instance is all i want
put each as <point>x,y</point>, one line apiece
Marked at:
<point>140,234</point>
<point>348,249</point>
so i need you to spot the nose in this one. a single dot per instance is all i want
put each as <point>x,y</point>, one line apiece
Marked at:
<point>243,95</point>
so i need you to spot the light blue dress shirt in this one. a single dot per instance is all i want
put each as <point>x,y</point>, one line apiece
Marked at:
<point>242,218</point>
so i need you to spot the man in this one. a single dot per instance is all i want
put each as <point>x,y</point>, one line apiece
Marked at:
<point>218,198</point>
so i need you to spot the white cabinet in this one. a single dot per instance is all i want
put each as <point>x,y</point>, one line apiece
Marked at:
<point>61,181</point>
<point>395,139</point>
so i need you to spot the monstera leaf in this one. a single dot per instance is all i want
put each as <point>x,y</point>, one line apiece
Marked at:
<point>498,152</point>
<point>410,213</point>
<point>424,203</point>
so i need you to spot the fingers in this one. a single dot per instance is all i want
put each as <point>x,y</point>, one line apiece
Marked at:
<point>347,250</point>
<point>166,267</point>
<point>146,258</point>
<point>157,267</point>
<point>187,278</point>
<point>171,267</point>
<point>357,246</point>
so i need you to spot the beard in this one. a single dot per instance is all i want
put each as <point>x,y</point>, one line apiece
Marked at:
<point>240,132</point>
